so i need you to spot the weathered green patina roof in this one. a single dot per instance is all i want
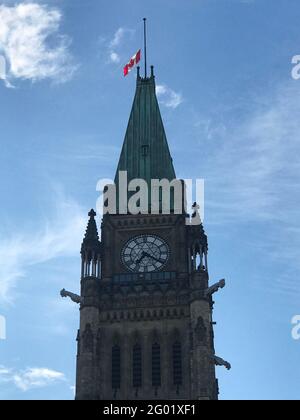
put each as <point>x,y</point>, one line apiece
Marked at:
<point>145,153</point>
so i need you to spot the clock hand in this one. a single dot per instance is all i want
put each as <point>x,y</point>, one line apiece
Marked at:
<point>146,254</point>
<point>153,258</point>
<point>141,257</point>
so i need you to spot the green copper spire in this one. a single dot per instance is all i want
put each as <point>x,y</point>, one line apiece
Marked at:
<point>145,153</point>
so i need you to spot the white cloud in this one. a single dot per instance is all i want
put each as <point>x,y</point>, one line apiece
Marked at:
<point>168,97</point>
<point>114,57</point>
<point>3,72</point>
<point>113,45</point>
<point>254,179</point>
<point>30,378</point>
<point>4,371</point>
<point>256,165</point>
<point>32,45</point>
<point>117,38</point>
<point>60,237</point>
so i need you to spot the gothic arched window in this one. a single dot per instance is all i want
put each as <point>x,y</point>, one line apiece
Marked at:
<point>137,366</point>
<point>177,364</point>
<point>116,367</point>
<point>156,367</point>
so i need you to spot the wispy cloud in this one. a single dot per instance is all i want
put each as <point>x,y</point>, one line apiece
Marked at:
<point>117,38</point>
<point>168,97</point>
<point>30,378</point>
<point>114,57</point>
<point>3,72</point>
<point>112,46</point>
<point>256,167</point>
<point>59,236</point>
<point>254,179</point>
<point>32,45</point>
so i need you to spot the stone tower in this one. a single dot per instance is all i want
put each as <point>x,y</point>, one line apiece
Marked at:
<point>146,328</point>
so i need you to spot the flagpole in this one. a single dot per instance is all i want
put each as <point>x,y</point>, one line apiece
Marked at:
<point>145,47</point>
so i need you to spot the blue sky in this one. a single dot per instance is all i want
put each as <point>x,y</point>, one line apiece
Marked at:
<point>231,111</point>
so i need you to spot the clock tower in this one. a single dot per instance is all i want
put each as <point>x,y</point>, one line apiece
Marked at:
<point>146,326</point>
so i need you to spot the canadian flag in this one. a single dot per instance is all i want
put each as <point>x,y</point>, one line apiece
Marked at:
<point>132,62</point>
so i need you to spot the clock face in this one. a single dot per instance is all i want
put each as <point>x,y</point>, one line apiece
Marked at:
<point>145,254</point>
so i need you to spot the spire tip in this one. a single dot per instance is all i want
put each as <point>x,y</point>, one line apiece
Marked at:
<point>92,213</point>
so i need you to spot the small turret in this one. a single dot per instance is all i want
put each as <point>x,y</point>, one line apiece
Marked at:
<point>198,246</point>
<point>91,250</point>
